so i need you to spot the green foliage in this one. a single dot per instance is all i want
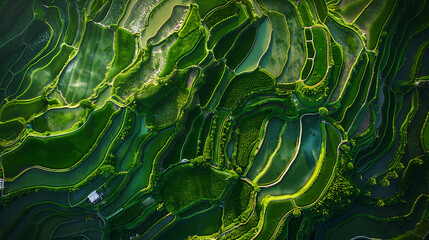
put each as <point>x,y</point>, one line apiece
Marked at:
<point>320,61</point>
<point>425,134</point>
<point>323,112</point>
<point>380,203</point>
<point>352,44</point>
<point>225,43</point>
<point>86,104</point>
<point>192,22</point>
<point>310,49</point>
<point>201,162</point>
<point>297,212</point>
<point>245,83</point>
<point>306,69</point>
<point>107,170</point>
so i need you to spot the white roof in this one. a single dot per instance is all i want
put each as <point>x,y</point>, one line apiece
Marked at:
<point>1,183</point>
<point>93,196</point>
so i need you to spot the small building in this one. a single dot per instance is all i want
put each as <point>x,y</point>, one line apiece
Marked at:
<point>1,183</point>
<point>94,197</point>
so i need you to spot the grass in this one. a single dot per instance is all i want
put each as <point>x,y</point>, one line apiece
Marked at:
<point>58,152</point>
<point>222,13</point>
<point>425,134</point>
<point>225,43</point>
<point>58,119</point>
<point>307,33</point>
<point>306,70</point>
<point>162,102</point>
<point>310,49</point>
<point>124,44</point>
<point>273,214</point>
<point>189,36</point>
<point>190,146</point>
<point>320,60</point>
<point>88,68</point>
<point>73,24</point>
<point>10,130</point>
<point>245,83</point>
<point>206,6</point>
<point>129,78</point>
<point>355,78</point>
<point>212,76</point>
<point>304,12</point>
<point>185,185</point>
<point>351,11</point>
<point>242,46</point>
<point>375,15</point>
<point>234,23</point>
<point>46,74</point>
<point>249,129</point>
<point>237,202</point>
<point>322,10</point>
<point>194,57</point>
<point>25,109</point>
<point>360,99</point>
<point>328,165</point>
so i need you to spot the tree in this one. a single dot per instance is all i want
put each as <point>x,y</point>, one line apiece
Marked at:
<point>200,161</point>
<point>380,203</point>
<point>385,182</point>
<point>350,166</point>
<point>372,181</point>
<point>107,170</point>
<point>323,112</point>
<point>86,104</point>
<point>296,212</point>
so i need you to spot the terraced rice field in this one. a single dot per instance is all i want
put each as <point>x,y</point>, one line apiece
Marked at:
<point>214,119</point>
